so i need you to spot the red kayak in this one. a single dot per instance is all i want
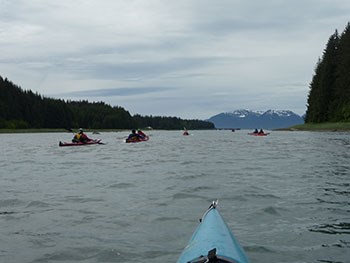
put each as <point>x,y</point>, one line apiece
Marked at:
<point>80,143</point>
<point>259,134</point>
<point>137,139</point>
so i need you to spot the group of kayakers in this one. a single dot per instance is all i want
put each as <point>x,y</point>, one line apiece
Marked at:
<point>80,136</point>
<point>139,135</point>
<point>135,135</point>
<point>258,132</point>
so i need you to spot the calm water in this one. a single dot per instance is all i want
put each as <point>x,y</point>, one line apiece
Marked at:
<point>285,196</point>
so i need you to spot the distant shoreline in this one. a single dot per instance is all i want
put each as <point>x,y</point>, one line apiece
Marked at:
<point>317,127</point>
<point>327,126</point>
<point>57,130</point>
<point>47,130</point>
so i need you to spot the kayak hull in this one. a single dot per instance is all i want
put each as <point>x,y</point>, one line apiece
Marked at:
<point>258,134</point>
<point>213,234</point>
<point>135,140</point>
<point>63,144</point>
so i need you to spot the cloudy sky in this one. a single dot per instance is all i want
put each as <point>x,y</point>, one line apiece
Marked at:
<point>184,58</point>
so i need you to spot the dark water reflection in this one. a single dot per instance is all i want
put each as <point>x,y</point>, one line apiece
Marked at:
<point>336,228</point>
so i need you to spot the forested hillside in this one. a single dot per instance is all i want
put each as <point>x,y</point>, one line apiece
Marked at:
<point>329,96</point>
<point>21,109</point>
<point>171,123</point>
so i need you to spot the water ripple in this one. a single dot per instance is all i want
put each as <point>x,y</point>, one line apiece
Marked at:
<point>285,196</point>
<point>336,228</point>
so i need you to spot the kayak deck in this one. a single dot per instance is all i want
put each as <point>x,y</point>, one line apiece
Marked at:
<point>213,241</point>
<point>259,134</point>
<point>136,139</point>
<point>62,144</point>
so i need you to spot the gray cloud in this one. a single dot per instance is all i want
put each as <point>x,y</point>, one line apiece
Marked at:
<point>146,69</point>
<point>130,91</point>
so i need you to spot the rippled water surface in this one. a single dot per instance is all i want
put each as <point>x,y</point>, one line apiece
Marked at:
<point>285,196</point>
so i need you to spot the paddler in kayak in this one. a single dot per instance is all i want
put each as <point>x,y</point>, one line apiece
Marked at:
<point>81,137</point>
<point>261,131</point>
<point>185,132</point>
<point>255,131</point>
<point>142,135</point>
<point>133,136</point>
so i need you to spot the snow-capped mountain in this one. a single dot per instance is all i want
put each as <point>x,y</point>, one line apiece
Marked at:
<point>247,119</point>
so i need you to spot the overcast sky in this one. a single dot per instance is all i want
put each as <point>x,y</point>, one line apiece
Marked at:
<point>184,58</point>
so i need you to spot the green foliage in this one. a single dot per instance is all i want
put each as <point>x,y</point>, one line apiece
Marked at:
<point>324,126</point>
<point>21,109</point>
<point>13,124</point>
<point>329,96</point>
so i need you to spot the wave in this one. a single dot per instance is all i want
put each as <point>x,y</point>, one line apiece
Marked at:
<point>37,204</point>
<point>332,229</point>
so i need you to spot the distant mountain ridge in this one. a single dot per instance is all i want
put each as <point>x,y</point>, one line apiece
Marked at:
<point>248,119</point>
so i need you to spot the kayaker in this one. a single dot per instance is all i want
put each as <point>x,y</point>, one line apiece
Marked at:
<point>261,131</point>
<point>256,131</point>
<point>76,137</point>
<point>185,132</point>
<point>142,135</point>
<point>81,137</point>
<point>134,136</point>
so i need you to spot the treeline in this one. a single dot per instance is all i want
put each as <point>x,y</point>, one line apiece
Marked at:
<point>329,96</point>
<point>171,123</point>
<point>21,109</point>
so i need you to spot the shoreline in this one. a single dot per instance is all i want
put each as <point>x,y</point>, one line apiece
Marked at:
<point>316,127</point>
<point>320,127</point>
<point>44,130</point>
<point>47,130</point>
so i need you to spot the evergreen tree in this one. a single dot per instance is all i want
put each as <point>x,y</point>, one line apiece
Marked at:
<point>313,109</point>
<point>341,103</point>
<point>24,109</point>
<point>329,95</point>
<point>323,83</point>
